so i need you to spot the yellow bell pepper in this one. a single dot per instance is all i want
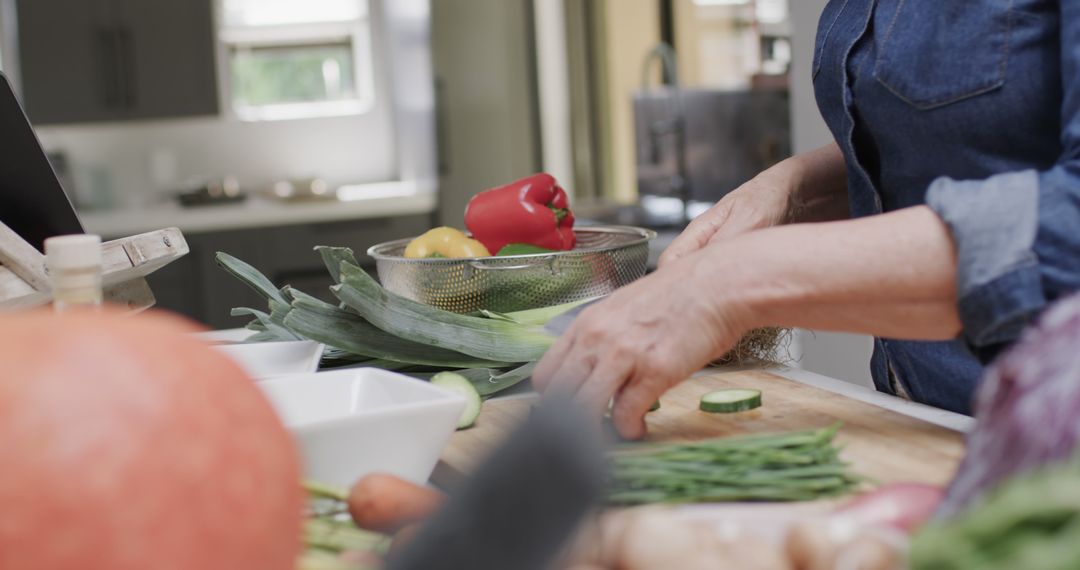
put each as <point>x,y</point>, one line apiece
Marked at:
<point>445,242</point>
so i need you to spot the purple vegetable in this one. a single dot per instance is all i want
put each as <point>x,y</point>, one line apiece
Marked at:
<point>1027,408</point>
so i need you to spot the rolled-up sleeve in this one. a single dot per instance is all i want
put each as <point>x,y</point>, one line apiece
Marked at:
<point>1018,234</point>
<point>995,224</point>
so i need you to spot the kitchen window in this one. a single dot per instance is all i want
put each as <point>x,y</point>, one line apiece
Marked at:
<point>285,59</point>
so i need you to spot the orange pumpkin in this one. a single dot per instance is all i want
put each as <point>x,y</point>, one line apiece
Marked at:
<point>126,443</point>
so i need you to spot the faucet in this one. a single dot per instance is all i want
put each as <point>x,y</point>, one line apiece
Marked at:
<point>675,126</point>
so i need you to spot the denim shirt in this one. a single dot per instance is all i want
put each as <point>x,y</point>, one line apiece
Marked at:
<point>971,107</point>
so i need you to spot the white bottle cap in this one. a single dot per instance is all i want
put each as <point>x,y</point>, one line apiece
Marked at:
<point>74,251</point>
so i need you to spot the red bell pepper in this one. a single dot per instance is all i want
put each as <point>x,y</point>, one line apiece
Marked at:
<point>533,210</point>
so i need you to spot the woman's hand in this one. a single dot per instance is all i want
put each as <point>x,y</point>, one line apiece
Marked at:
<point>760,203</point>
<point>642,340</point>
<point>809,187</point>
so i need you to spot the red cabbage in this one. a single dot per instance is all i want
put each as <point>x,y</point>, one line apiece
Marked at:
<point>1027,409</point>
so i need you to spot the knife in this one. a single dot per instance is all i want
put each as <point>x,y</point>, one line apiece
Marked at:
<point>523,504</point>
<point>560,323</point>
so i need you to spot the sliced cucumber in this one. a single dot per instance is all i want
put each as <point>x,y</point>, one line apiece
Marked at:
<point>730,401</point>
<point>655,406</point>
<point>461,385</point>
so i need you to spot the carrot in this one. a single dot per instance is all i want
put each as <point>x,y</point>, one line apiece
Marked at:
<point>384,503</point>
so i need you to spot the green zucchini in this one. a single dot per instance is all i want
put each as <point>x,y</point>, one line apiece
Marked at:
<point>489,381</point>
<point>730,401</point>
<point>458,383</point>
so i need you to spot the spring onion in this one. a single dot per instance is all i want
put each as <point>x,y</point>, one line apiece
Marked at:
<point>799,466</point>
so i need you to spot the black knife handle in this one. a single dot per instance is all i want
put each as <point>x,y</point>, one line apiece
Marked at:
<point>523,504</point>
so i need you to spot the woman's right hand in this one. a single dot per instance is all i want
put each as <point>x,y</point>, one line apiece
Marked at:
<point>808,187</point>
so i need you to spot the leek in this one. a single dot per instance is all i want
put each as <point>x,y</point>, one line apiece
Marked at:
<point>355,335</point>
<point>266,323</point>
<point>249,276</point>
<point>476,336</point>
<point>375,328</point>
<point>539,316</point>
<point>333,257</point>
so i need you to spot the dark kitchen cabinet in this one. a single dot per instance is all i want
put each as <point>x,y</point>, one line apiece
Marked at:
<point>109,60</point>
<point>196,287</point>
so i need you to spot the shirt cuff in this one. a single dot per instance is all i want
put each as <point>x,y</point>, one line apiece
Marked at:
<point>993,223</point>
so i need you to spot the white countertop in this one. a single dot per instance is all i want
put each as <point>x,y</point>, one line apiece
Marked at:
<point>376,201</point>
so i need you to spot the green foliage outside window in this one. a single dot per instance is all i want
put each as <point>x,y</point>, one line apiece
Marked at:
<point>293,74</point>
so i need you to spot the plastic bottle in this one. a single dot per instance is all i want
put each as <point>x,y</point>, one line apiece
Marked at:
<point>74,266</point>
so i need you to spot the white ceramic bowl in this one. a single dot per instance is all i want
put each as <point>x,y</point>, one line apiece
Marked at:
<point>353,422</point>
<point>262,360</point>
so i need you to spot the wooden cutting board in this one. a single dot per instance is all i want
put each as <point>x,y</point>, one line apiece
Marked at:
<point>880,444</point>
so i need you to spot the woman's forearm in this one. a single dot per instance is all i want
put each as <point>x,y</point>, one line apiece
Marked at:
<point>890,275</point>
<point>819,192</point>
<point>921,321</point>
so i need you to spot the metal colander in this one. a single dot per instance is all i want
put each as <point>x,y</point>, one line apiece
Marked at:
<point>606,257</point>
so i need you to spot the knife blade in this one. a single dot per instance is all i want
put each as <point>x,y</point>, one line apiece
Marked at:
<point>560,323</point>
<point>523,504</point>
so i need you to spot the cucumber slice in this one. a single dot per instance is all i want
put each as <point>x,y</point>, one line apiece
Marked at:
<point>461,385</point>
<point>730,401</point>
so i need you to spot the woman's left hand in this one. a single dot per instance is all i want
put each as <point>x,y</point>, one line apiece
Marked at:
<point>641,341</point>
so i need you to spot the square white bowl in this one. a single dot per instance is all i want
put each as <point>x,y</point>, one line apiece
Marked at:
<point>349,423</point>
<point>262,360</point>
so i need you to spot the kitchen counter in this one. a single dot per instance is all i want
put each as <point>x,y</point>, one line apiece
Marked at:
<point>884,438</point>
<point>373,201</point>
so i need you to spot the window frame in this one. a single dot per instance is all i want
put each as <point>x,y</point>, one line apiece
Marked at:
<point>357,32</point>
<point>404,80</point>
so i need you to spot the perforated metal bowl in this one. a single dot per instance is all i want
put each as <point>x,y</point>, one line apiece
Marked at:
<point>606,257</point>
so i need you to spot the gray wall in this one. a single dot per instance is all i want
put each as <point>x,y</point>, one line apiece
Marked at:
<point>488,133</point>
<point>842,356</point>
